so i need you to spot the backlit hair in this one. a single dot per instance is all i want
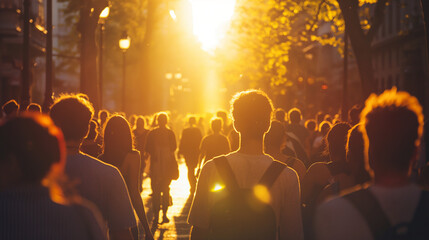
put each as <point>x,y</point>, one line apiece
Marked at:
<point>392,125</point>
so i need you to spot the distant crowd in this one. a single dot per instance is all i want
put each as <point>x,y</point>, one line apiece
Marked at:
<point>257,172</point>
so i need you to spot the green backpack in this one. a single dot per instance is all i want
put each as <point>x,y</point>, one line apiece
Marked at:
<point>242,215</point>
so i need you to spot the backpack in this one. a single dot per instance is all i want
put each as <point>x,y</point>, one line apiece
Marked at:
<point>418,228</point>
<point>241,215</point>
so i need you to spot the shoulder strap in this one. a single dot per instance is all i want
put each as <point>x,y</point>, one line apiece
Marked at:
<point>290,161</point>
<point>421,215</point>
<point>368,206</point>
<point>226,173</point>
<point>272,173</point>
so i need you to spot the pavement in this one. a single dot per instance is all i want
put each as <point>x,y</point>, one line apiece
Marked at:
<point>177,228</point>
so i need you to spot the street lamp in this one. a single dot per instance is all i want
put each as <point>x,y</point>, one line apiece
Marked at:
<point>124,44</point>
<point>103,16</point>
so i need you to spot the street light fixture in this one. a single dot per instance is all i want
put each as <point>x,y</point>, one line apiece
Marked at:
<point>102,19</point>
<point>124,44</point>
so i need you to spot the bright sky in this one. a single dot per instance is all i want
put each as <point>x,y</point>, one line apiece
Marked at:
<point>210,20</point>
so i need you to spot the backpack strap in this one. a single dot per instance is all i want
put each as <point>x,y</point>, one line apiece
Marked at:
<point>369,207</point>
<point>420,219</point>
<point>272,173</point>
<point>226,173</point>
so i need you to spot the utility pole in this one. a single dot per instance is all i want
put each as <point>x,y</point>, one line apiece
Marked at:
<point>26,61</point>
<point>49,68</point>
<point>344,103</point>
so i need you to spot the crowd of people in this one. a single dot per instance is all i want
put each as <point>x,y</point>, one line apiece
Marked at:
<point>260,173</point>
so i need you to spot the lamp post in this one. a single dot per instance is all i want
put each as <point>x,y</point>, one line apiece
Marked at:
<point>124,44</point>
<point>49,66</point>
<point>103,16</point>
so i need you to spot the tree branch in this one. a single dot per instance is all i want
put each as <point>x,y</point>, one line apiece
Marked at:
<point>377,19</point>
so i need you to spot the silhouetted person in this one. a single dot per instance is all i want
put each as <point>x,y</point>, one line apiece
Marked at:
<point>140,134</point>
<point>354,115</point>
<point>10,109</point>
<point>89,144</point>
<point>119,151</point>
<point>274,142</point>
<point>33,204</point>
<point>189,148</point>
<point>251,111</point>
<point>102,118</point>
<point>34,107</point>
<point>215,144</point>
<point>295,127</point>
<point>318,153</point>
<point>161,145</point>
<point>392,126</point>
<point>355,156</point>
<point>280,115</point>
<point>226,127</point>
<point>321,174</point>
<point>334,174</point>
<point>98,182</point>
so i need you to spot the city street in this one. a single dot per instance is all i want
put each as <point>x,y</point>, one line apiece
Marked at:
<point>177,228</point>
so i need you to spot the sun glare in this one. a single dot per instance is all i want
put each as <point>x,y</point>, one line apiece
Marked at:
<point>210,21</point>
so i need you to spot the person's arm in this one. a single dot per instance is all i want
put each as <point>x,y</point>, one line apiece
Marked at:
<point>133,163</point>
<point>198,233</point>
<point>290,213</point>
<point>119,210</point>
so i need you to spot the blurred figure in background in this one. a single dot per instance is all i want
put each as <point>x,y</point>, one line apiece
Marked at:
<point>119,151</point>
<point>275,141</point>
<point>189,148</point>
<point>161,145</point>
<point>34,107</point>
<point>89,144</point>
<point>215,144</point>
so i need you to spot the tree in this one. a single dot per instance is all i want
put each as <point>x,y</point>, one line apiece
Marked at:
<point>271,37</point>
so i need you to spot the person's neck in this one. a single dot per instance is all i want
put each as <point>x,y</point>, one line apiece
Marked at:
<point>273,152</point>
<point>251,145</point>
<point>391,180</point>
<point>73,147</point>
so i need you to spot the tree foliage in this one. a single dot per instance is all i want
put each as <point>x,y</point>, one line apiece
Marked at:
<point>269,39</point>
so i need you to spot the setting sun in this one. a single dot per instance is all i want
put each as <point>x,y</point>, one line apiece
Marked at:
<point>210,20</point>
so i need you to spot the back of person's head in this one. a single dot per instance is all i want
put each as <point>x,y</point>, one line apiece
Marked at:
<point>319,117</point>
<point>140,122</point>
<point>336,141</point>
<point>280,115</point>
<point>34,107</point>
<point>324,127</point>
<point>92,132</point>
<point>102,116</point>
<point>216,124</point>
<point>31,147</point>
<point>328,118</point>
<point>222,114</point>
<point>275,136</point>
<point>10,107</point>
<point>132,120</point>
<point>354,114</point>
<point>355,155</point>
<point>392,125</point>
<point>294,115</point>
<point>118,138</point>
<point>72,114</point>
<point>311,125</point>
<point>251,111</point>
<point>192,120</point>
<point>162,119</point>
